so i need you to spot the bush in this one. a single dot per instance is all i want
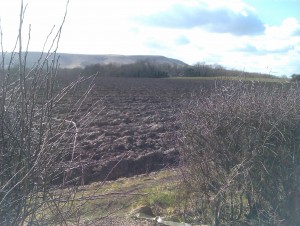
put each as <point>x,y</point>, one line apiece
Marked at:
<point>295,78</point>
<point>240,154</point>
<point>38,147</point>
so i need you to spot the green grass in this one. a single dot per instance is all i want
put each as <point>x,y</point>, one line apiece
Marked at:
<point>256,79</point>
<point>119,198</point>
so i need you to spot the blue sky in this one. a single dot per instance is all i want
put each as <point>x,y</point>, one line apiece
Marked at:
<point>252,35</point>
<point>274,12</point>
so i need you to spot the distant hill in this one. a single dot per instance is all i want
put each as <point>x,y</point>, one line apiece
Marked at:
<point>82,60</point>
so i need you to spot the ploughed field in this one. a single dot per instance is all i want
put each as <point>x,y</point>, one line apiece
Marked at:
<point>132,128</point>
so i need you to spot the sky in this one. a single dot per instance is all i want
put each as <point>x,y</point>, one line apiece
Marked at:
<point>251,35</point>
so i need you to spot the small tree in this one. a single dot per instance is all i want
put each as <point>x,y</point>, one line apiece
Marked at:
<point>240,154</point>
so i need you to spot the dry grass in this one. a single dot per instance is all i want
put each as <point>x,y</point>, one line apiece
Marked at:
<point>226,78</point>
<point>120,197</point>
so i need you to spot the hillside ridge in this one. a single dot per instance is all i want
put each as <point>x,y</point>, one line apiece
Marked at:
<point>69,60</point>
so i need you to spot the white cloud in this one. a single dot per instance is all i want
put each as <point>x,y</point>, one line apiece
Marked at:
<point>228,32</point>
<point>237,19</point>
<point>288,27</point>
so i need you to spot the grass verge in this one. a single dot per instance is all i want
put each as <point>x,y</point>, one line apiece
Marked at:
<point>231,78</point>
<point>158,190</point>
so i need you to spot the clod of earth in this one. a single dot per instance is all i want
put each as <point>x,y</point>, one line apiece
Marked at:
<point>133,130</point>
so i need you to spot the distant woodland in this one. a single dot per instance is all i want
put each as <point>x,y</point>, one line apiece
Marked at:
<point>156,70</point>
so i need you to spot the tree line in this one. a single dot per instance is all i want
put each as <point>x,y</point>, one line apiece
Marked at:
<point>155,70</point>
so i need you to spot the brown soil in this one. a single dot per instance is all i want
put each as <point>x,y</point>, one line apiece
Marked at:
<point>133,128</point>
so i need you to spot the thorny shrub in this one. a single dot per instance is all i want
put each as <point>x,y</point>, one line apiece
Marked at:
<point>240,150</point>
<point>38,148</point>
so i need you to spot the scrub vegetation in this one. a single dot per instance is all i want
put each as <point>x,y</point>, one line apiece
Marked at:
<point>78,149</point>
<point>240,153</point>
<point>38,147</point>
